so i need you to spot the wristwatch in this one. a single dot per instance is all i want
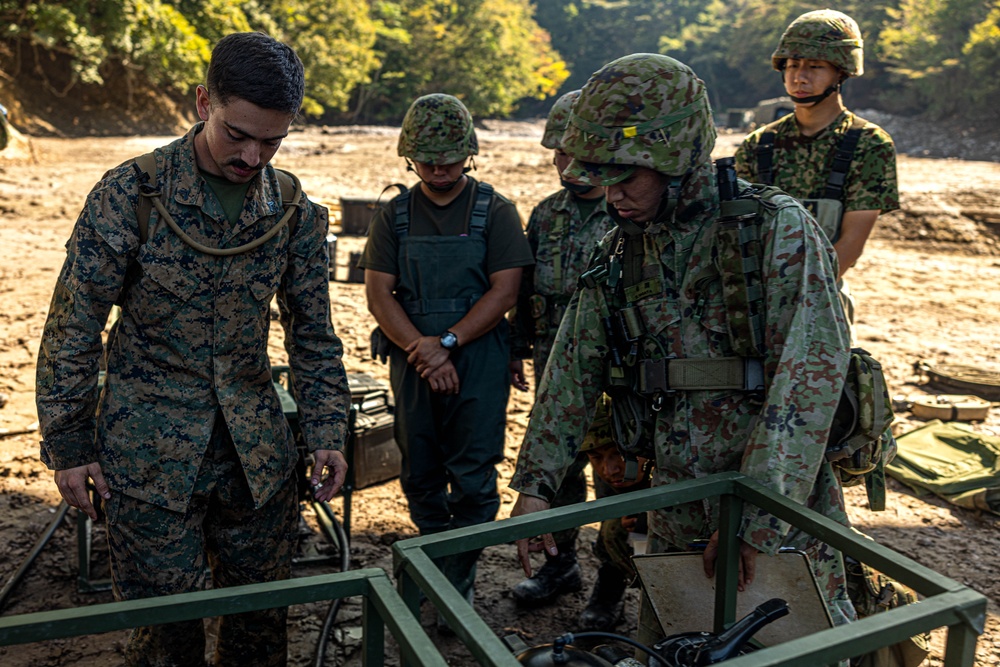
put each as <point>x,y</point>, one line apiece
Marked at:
<point>449,341</point>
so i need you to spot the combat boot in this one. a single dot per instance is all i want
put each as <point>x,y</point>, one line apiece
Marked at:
<point>605,606</point>
<point>560,574</point>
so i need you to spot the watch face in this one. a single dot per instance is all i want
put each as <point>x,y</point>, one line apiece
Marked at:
<point>449,340</point>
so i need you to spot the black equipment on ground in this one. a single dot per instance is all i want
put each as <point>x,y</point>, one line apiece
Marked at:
<point>687,649</point>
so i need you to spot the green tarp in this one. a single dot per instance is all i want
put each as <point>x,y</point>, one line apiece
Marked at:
<point>951,461</point>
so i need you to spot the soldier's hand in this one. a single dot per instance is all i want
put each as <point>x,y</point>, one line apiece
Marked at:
<point>444,379</point>
<point>72,485</point>
<point>526,504</point>
<point>747,561</point>
<point>426,354</point>
<point>517,379</point>
<point>336,465</point>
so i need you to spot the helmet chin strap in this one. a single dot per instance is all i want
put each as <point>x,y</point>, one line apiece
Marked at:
<point>576,188</point>
<point>441,189</point>
<point>816,99</point>
<point>664,212</point>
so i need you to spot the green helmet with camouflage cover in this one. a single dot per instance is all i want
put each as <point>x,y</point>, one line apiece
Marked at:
<point>437,129</point>
<point>599,433</point>
<point>642,110</point>
<point>824,34</point>
<point>558,119</point>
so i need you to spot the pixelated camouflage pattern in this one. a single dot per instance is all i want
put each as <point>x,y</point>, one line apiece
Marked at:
<point>643,110</point>
<point>437,129</point>
<point>155,551</point>
<point>191,339</point>
<point>562,244</point>
<point>558,119</point>
<point>802,164</point>
<point>778,438</point>
<point>824,34</point>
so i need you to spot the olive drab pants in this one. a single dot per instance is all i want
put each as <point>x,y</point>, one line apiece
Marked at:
<point>450,444</point>
<point>155,551</point>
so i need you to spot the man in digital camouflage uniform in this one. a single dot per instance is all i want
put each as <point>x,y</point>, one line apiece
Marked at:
<point>612,547</point>
<point>643,129</point>
<point>442,267</point>
<point>563,232</point>
<point>799,153</point>
<point>187,443</point>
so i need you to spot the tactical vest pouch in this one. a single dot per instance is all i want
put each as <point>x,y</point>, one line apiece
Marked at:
<point>873,592</point>
<point>828,213</point>
<point>861,441</point>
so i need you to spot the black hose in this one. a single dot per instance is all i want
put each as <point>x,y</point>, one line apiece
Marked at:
<point>329,523</point>
<point>30,558</point>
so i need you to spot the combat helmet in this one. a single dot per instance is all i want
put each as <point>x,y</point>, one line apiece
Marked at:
<point>437,129</point>
<point>642,110</point>
<point>558,119</point>
<point>599,433</point>
<point>824,34</point>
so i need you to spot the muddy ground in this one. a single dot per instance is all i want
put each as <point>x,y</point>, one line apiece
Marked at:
<point>926,287</point>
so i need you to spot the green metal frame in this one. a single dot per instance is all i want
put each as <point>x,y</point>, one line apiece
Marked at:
<point>947,604</point>
<point>382,607</point>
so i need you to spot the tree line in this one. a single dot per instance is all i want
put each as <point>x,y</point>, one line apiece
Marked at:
<point>366,60</point>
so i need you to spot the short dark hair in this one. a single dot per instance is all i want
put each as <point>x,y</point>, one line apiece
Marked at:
<point>256,68</point>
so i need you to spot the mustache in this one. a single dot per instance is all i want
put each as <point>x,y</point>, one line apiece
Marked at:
<point>240,164</point>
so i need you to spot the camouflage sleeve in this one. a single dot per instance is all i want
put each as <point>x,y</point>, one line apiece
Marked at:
<point>522,330</point>
<point>746,164</point>
<point>97,256</point>
<point>314,351</point>
<point>872,178</point>
<point>567,393</point>
<point>807,344</point>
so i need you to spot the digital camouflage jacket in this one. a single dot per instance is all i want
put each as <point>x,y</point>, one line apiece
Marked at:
<point>778,438</point>
<point>562,245</point>
<point>191,340</point>
<point>802,164</point>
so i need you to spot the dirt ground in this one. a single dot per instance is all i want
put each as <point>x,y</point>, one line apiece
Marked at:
<point>926,287</point>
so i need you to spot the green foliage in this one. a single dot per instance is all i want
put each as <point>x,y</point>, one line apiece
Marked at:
<point>944,52</point>
<point>375,56</point>
<point>488,53</point>
<point>335,40</point>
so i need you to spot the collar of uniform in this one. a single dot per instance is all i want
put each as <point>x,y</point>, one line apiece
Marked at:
<point>790,128</point>
<point>697,206</point>
<point>189,188</point>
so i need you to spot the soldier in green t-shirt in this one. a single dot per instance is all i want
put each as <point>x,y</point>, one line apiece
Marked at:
<point>799,153</point>
<point>442,267</point>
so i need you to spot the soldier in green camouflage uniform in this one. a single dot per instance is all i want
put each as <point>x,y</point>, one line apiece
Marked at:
<point>817,53</point>
<point>442,267</point>
<point>187,443</point>
<point>563,232</point>
<point>643,128</point>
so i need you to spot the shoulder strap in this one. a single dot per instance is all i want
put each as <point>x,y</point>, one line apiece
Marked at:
<point>146,164</point>
<point>765,153</point>
<point>291,195</point>
<point>481,209</point>
<point>842,159</point>
<point>739,253</point>
<point>402,220</point>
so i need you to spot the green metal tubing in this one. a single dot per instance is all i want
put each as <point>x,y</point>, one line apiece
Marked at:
<point>727,565</point>
<point>866,635</point>
<point>485,646</point>
<point>531,525</point>
<point>371,583</point>
<point>922,579</point>
<point>949,603</point>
